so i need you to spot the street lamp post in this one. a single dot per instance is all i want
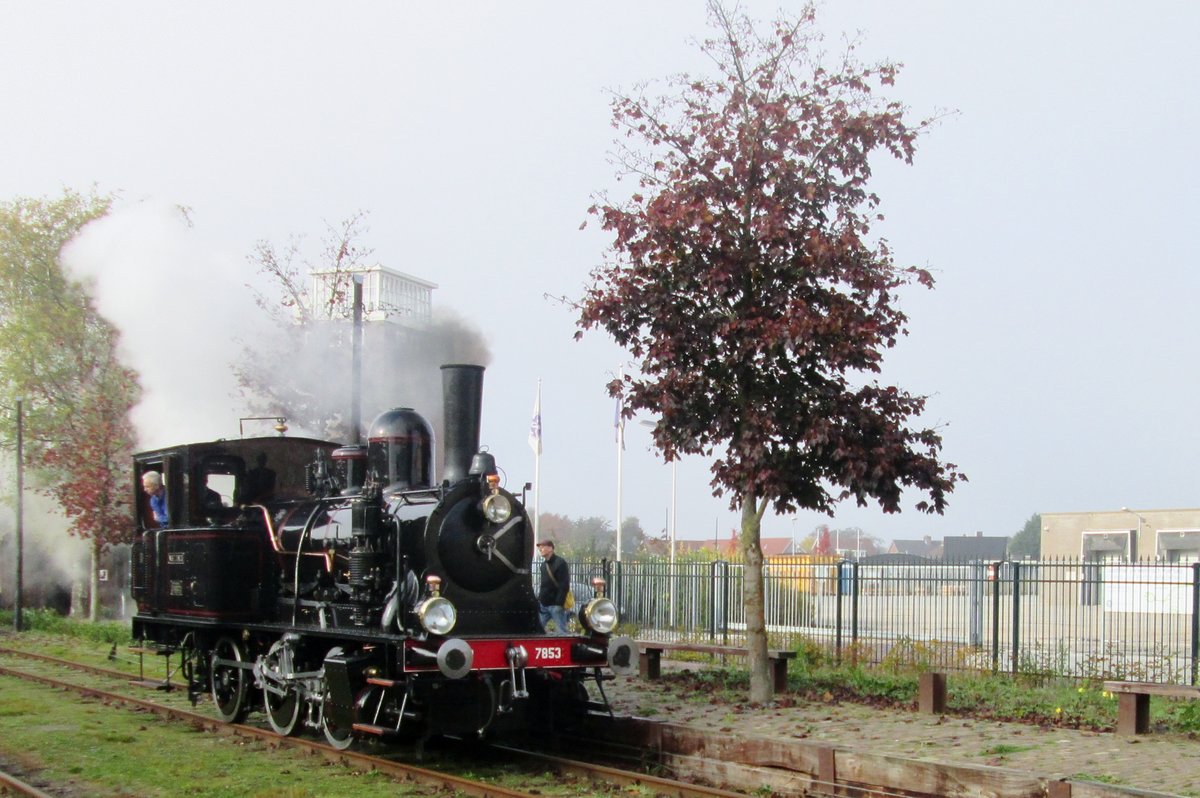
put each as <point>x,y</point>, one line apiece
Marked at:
<point>1137,543</point>
<point>619,423</point>
<point>674,516</point>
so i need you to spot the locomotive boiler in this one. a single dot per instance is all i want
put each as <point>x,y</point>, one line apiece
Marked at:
<point>344,589</point>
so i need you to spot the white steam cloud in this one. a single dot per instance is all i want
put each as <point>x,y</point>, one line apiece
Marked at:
<point>182,308</point>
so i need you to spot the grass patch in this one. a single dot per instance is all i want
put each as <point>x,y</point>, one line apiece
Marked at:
<point>1100,778</point>
<point>49,621</point>
<point>1003,750</point>
<point>63,739</point>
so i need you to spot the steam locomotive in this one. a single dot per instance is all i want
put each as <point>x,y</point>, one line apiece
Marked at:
<point>340,589</point>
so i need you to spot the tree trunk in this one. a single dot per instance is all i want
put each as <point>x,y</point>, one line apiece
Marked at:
<point>754,604</point>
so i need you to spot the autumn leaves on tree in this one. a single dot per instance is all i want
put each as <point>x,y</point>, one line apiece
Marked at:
<point>743,279</point>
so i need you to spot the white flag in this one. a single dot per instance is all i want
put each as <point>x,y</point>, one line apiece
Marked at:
<point>535,426</point>
<point>619,423</point>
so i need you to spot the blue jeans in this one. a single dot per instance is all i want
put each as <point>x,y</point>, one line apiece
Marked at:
<point>561,618</point>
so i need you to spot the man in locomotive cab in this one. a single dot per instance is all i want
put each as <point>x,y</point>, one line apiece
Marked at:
<point>152,484</point>
<point>258,482</point>
<point>210,500</point>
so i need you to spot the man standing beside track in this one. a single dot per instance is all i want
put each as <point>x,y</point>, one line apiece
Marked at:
<point>552,594</point>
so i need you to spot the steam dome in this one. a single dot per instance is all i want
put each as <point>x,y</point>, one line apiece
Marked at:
<point>400,449</point>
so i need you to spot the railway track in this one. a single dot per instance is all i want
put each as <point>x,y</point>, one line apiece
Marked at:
<point>596,773</point>
<point>758,765</point>
<point>11,785</point>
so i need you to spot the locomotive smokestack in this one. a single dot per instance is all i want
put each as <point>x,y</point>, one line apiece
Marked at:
<point>462,397</point>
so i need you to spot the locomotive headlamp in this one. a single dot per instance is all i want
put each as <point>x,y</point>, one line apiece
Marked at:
<point>497,508</point>
<point>437,615</point>
<point>599,615</point>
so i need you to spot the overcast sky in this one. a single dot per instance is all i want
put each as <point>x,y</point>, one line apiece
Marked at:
<point>1057,210</point>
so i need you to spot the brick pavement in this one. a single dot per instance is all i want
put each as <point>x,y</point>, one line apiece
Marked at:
<point>1156,762</point>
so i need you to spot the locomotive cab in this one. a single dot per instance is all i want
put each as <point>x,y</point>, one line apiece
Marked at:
<point>210,559</point>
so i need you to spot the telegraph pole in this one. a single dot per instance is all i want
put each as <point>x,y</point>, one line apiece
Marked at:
<point>17,625</point>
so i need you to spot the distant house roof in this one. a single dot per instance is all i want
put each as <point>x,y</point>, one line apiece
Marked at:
<point>772,547</point>
<point>866,546</point>
<point>968,548</point>
<point>895,558</point>
<point>926,547</point>
<point>693,545</point>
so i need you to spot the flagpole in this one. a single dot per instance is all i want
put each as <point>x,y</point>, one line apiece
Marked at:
<point>537,469</point>
<point>535,443</point>
<point>620,450</point>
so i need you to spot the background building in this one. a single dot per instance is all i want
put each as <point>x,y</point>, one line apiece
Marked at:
<point>1123,535</point>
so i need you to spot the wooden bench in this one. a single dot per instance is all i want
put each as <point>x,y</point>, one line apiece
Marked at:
<point>1133,702</point>
<point>650,658</point>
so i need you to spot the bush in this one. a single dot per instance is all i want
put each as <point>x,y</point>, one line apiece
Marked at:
<point>49,621</point>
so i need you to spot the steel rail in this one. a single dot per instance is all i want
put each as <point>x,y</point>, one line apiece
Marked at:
<point>10,783</point>
<point>625,778</point>
<point>671,788</point>
<point>66,663</point>
<point>662,786</point>
<point>410,773</point>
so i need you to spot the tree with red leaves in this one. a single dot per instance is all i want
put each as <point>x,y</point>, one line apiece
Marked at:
<point>743,279</point>
<point>823,544</point>
<point>60,356</point>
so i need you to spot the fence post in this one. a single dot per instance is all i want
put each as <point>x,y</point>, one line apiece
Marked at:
<point>1195,619</point>
<point>614,571</point>
<point>726,580</point>
<point>712,600</point>
<point>1016,616</point>
<point>854,606</point>
<point>996,620</point>
<point>837,636</point>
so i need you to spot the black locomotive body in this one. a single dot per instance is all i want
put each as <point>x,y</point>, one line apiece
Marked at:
<point>341,588</point>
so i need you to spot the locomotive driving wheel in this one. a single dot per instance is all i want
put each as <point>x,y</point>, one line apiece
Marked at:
<point>337,733</point>
<point>281,696</point>
<point>230,681</point>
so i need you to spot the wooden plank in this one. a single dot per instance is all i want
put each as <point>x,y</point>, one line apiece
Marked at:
<point>794,755</point>
<point>935,778</point>
<point>800,767</point>
<point>742,778</point>
<point>706,648</point>
<point>1154,688</point>
<point>849,768</point>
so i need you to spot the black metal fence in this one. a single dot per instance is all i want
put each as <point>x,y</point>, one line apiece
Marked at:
<point>1078,619</point>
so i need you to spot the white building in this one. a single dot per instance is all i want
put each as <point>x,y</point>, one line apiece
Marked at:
<point>388,295</point>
